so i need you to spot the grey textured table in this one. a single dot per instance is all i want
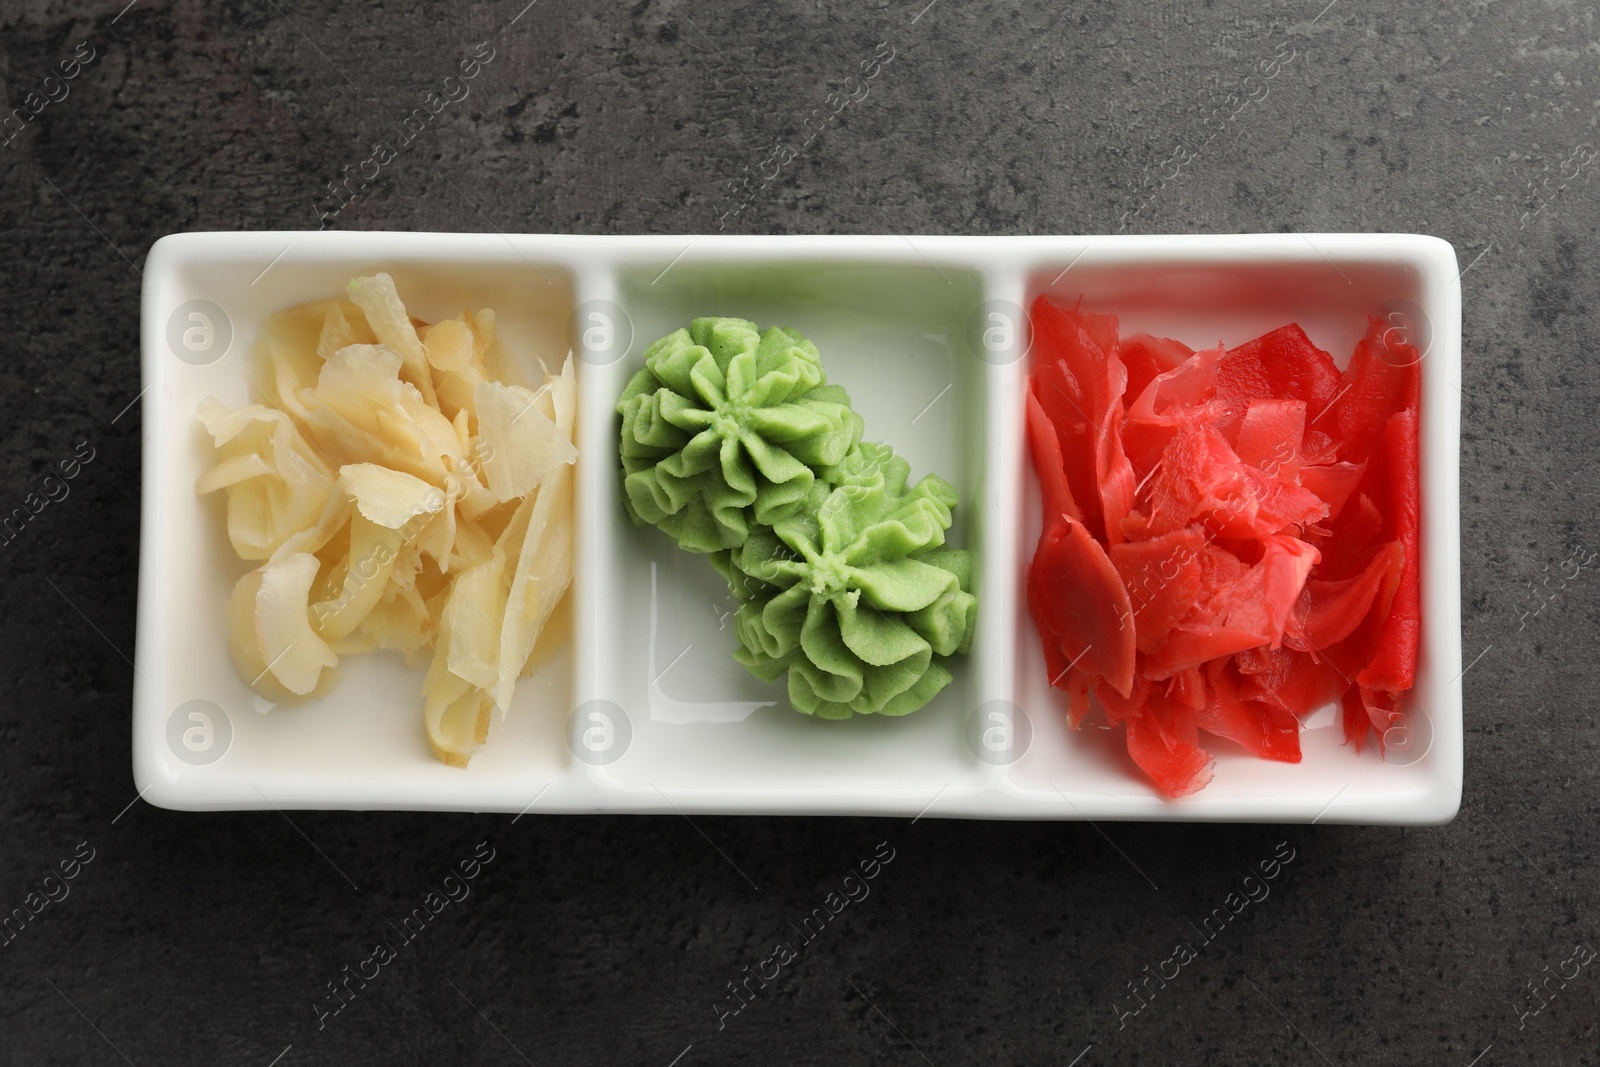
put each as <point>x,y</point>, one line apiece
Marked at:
<point>211,938</point>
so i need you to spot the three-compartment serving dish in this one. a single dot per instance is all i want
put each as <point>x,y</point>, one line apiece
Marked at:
<point>930,338</point>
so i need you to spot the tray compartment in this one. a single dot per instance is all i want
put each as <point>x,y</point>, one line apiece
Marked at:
<point>362,745</point>
<point>894,334</point>
<point>1330,287</point>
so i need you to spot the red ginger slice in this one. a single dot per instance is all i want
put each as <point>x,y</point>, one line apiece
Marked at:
<point>1382,379</point>
<point>1356,535</point>
<point>1164,742</point>
<point>1247,612</point>
<point>1146,357</point>
<point>1188,687</point>
<point>1271,436</point>
<point>1394,667</point>
<point>1170,401</point>
<point>1045,447</point>
<point>1263,729</point>
<point>1081,606</point>
<point>1363,708</point>
<point>1162,576</point>
<point>1283,365</point>
<point>1200,479</point>
<point>1333,483</point>
<point>1079,382</point>
<point>1298,682</point>
<point>1329,612</point>
<point>1283,503</point>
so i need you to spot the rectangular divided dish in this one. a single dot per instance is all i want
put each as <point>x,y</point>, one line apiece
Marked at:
<point>646,710</point>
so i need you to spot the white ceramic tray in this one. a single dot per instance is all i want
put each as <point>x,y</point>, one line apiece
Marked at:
<point>646,711</point>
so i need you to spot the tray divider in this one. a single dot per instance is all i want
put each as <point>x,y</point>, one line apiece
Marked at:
<point>603,343</point>
<point>999,341</point>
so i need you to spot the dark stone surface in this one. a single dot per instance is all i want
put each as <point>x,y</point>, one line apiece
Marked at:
<point>207,938</point>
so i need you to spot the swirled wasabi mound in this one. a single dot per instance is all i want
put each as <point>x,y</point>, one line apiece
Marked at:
<point>854,596</point>
<point>725,429</point>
